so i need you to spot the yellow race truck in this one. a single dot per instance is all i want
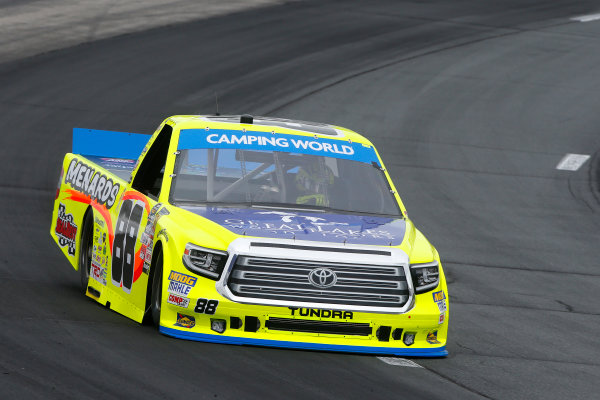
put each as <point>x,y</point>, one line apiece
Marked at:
<point>259,231</point>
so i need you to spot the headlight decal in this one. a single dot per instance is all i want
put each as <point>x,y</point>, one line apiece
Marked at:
<point>425,276</point>
<point>203,261</point>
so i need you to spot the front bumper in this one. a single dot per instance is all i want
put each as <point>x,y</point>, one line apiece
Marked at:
<point>248,324</point>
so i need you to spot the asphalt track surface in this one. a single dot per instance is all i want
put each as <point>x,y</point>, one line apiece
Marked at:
<point>471,104</point>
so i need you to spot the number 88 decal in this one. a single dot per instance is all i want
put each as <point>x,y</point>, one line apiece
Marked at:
<point>205,306</point>
<point>123,251</point>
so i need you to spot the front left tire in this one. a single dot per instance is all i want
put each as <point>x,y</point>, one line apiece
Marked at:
<point>156,299</point>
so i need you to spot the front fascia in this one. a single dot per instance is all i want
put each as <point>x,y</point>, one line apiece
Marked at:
<point>350,254</point>
<point>422,318</point>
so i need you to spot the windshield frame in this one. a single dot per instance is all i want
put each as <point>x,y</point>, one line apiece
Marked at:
<point>219,199</point>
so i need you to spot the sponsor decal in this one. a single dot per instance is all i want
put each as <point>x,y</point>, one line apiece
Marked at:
<point>179,288</point>
<point>337,228</point>
<point>442,319</point>
<point>267,141</point>
<point>185,321</point>
<point>314,312</point>
<point>179,301</point>
<point>335,147</point>
<point>99,222</point>
<point>432,338</point>
<point>98,272</point>
<point>180,284</point>
<point>206,306</point>
<point>182,278</point>
<point>440,300</point>
<point>95,184</point>
<point>439,296</point>
<point>66,230</point>
<point>442,306</point>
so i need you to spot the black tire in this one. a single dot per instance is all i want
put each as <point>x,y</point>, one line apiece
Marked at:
<point>86,245</point>
<point>156,297</point>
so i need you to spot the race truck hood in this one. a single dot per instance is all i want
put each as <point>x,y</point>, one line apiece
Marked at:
<point>323,227</point>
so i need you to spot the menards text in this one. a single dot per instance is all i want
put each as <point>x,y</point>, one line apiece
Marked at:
<point>92,183</point>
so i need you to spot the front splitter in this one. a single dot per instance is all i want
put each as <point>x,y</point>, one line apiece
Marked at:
<point>397,351</point>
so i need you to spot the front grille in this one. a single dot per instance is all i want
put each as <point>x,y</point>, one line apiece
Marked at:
<point>301,325</point>
<point>288,280</point>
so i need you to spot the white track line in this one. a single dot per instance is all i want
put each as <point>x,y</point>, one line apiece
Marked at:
<point>586,18</point>
<point>399,362</point>
<point>572,162</point>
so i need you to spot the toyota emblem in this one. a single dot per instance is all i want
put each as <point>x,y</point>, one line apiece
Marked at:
<point>322,278</point>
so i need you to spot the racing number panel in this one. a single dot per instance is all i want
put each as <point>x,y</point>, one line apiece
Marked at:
<point>123,251</point>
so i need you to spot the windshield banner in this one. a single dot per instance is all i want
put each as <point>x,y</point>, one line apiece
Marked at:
<point>322,227</point>
<point>266,141</point>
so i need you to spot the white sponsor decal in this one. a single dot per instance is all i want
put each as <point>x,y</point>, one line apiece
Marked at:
<point>179,288</point>
<point>441,305</point>
<point>299,144</point>
<point>334,229</point>
<point>90,182</point>
<point>178,300</point>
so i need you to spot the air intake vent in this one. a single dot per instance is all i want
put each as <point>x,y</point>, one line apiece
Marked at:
<point>335,328</point>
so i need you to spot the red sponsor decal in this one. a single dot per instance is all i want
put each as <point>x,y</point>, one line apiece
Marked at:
<point>178,300</point>
<point>66,230</point>
<point>96,271</point>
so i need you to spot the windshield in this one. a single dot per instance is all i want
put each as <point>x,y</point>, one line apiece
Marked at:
<point>281,179</point>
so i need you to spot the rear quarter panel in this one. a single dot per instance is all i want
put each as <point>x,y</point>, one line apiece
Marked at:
<point>87,187</point>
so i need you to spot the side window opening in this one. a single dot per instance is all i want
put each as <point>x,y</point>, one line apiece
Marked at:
<point>149,176</point>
